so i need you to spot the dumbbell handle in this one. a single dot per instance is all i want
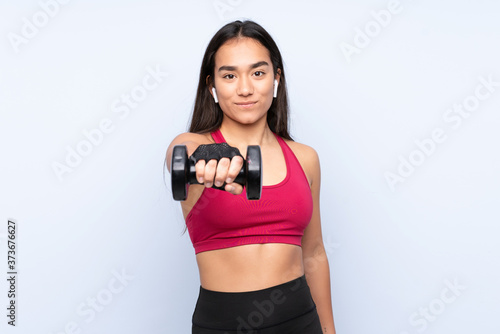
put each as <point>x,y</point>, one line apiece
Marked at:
<point>240,178</point>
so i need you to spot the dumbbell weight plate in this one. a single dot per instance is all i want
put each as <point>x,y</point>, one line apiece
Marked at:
<point>179,172</point>
<point>254,172</point>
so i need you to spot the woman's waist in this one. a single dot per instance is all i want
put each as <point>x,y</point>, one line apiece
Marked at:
<point>249,267</point>
<point>249,310</point>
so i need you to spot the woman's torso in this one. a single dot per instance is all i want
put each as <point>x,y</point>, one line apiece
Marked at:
<point>254,266</point>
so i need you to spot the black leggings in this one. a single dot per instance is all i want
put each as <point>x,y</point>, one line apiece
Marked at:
<point>287,308</point>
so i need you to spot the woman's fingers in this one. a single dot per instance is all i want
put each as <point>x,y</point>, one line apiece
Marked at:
<point>234,168</point>
<point>222,169</point>
<point>217,173</point>
<point>234,188</point>
<point>210,169</point>
<point>200,171</point>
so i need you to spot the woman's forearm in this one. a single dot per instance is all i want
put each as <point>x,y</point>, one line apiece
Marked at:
<point>317,273</point>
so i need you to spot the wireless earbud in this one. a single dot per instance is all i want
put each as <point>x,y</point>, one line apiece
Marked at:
<point>215,95</point>
<point>275,88</point>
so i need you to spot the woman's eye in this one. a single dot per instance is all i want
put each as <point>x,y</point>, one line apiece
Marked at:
<point>229,76</point>
<point>259,73</point>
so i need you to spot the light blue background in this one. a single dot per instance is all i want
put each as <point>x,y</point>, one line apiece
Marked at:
<point>391,251</point>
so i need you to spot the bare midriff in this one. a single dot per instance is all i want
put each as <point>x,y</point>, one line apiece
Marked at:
<point>249,267</point>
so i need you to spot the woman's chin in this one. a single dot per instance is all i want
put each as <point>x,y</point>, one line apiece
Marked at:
<point>248,121</point>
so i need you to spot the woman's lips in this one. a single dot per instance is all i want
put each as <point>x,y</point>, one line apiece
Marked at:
<point>246,104</point>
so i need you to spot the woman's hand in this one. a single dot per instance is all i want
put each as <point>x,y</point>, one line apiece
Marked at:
<point>216,171</point>
<point>225,170</point>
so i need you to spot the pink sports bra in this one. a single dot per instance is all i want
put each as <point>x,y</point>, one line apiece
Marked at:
<point>221,220</point>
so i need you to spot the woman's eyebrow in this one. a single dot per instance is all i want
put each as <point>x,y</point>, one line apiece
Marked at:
<point>234,68</point>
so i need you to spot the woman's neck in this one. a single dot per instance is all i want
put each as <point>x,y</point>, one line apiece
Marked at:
<point>241,135</point>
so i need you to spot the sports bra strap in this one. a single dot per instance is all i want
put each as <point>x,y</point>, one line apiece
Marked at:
<point>217,136</point>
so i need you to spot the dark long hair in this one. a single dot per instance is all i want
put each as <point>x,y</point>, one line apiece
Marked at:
<point>207,115</point>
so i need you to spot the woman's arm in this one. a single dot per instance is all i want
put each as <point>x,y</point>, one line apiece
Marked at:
<point>191,140</point>
<point>315,259</point>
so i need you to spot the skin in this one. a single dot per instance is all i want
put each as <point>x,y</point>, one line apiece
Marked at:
<point>244,78</point>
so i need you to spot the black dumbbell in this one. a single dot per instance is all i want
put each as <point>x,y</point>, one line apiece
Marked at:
<point>183,172</point>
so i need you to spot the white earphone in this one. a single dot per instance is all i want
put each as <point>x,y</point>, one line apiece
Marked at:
<point>215,95</point>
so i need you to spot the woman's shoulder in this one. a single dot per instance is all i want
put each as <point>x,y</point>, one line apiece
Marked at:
<point>307,157</point>
<point>192,138</point>
<point>302,151</point>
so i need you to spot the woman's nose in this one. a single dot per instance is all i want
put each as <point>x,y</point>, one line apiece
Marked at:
<point>245,86</point>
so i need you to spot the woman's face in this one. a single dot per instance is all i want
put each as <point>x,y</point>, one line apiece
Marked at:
<point>243,80</point>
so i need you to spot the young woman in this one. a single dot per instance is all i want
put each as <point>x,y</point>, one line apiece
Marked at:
<point>263,267</point>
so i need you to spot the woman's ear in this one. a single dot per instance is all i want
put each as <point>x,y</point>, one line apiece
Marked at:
<point>277,76</point>
<point>209,83</point>
<point>276,82</point>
